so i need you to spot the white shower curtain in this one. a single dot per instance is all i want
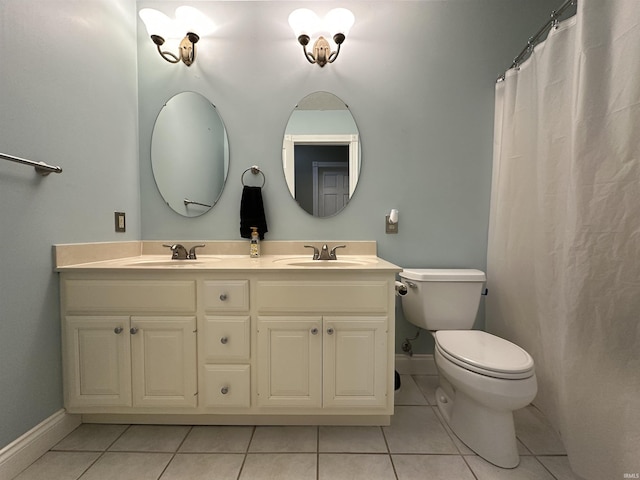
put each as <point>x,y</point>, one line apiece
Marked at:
<point>564,234</point>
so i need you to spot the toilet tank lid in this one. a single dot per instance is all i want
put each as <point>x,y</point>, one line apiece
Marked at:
<point>443,274</point>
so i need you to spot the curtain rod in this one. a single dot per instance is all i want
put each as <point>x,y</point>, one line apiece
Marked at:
<point>533,41</point>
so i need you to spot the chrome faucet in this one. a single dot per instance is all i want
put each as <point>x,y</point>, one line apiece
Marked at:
<point>325,253</point>
<point>179,252</point>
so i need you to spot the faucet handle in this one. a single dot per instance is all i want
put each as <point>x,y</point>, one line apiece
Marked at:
<point>179,252</point>
<point>192,251</point>
<point>316,252</point>
<point>332,253</point>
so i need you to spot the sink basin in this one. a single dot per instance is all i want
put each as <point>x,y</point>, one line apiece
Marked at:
<point>171,263</point>
<point>307,262</point>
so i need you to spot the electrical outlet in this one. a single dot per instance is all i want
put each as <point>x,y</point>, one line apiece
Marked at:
<point>121,225</point>
<point>390,227</point>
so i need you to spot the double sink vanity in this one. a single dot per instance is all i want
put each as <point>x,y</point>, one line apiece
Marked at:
<point>225,338</point>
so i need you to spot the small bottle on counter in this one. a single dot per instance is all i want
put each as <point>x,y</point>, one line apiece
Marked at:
<point>254,245</point>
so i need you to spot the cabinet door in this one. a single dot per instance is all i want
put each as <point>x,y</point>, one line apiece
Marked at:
<point>289,361</point>
<point>163,360</point>
<point>355,361</point>
<point>97,364</point>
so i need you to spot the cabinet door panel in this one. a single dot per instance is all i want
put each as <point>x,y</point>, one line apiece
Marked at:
<point>97,361</point>
<point>289,361</point>
<point>355,361</point>
<point>163,358</point>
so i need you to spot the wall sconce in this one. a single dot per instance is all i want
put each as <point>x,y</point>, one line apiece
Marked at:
<point>188,19</point>
<point>305,22</point>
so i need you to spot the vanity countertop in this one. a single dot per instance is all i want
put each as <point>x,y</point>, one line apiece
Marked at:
<point>216,256</point>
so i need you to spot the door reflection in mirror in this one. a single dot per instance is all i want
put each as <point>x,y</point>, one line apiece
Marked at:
<point>321,154</point>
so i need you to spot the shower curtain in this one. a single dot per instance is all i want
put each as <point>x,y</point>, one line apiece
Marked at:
<point>563,259</point>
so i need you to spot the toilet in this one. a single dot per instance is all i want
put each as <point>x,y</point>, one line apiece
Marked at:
<point>483,378</point>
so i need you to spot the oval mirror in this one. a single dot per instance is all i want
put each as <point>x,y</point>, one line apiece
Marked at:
<point>189,154</point>
<point>321,154</point>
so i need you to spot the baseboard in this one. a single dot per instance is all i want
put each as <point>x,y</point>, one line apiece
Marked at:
<point>419,364</point>
<point>25,450</point>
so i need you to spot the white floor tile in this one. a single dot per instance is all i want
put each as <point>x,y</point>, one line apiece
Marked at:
<point>151,438</point>
<point>279,466</point>
<point>352,440</point>
<point>355,467</point>
<point>217,439</point>
<point>284,439</point>
<point>431,467</point>
<point>427,385</point>
<point>59,466</point>
<point>409,393</point>
<point>536,433</point>
<point>417,430</point>
<point>128,466</point>
<point>529,469</point>
<point>558,466</point>
<point>204,466</point>
<point>91,437</point>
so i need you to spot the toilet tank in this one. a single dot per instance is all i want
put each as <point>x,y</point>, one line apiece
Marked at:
<point>442,299</point>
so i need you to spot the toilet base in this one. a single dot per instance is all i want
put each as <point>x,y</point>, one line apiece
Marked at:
<point>489,433</point>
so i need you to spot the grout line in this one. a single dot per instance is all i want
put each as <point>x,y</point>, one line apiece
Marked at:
<point>246,452</point>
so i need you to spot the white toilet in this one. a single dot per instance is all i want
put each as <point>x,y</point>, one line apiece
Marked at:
<point>483,378</point>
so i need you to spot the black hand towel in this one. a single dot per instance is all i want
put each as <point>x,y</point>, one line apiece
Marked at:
<point>252,212</point>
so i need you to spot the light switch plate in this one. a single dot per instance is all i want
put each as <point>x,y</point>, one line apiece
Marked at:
<point>121,225</point>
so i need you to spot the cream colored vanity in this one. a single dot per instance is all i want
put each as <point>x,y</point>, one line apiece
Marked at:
<point>229,339</point>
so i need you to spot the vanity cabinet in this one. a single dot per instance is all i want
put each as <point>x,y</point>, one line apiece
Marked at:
<point>327,362</point>
<point>140,359</point>
<point>228,345</point>
<point>327,348</point>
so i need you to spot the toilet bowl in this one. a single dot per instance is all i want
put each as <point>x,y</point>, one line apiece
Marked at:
<point>483,378</point>
<point>477,396</point>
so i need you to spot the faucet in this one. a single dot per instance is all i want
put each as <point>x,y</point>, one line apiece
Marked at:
<point>180,252</point>
<point>192,251</point>
<point>324,253</point>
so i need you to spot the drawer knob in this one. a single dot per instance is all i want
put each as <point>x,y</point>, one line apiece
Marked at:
<point>117,330</point>
<point>314,331</point>
<point>330,331</point>
<point>133,330</point>
<point>224,340</point>
<point>224,390</point>
<point>223,296</point>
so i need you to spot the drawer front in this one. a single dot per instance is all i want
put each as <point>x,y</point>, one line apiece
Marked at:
<point>226,296</point>
<point>226,339</point>
<point>130,296</point>
<point>226,386</point>
<point>323,296</point>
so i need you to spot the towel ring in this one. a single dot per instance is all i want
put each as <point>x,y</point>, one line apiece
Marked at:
<point>255,170</point>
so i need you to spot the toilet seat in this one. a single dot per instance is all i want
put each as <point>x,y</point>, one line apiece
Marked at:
<point>484,353</point>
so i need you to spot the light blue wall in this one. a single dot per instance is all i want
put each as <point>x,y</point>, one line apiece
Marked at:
<point>68,97</point>
<point>419,79</point>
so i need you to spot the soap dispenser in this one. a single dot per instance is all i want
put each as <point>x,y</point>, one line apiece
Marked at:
<point>254,246</point>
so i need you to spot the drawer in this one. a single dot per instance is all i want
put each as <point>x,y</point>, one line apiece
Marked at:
<point>323,296</point>
<point>225,339</point>
<point>130,296</point>
<point>226,295</point>
<point>226,386</point>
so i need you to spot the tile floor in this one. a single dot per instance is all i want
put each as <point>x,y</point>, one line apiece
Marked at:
<point>417,445</point>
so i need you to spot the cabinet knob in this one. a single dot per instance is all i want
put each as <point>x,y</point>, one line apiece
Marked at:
<point>223,296</point>
<point>224,340</point>
<point>314,331</point>
<point>117,330</point>
<point>133,330</point>
<point>330,330</point>
<point>224,390</point>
